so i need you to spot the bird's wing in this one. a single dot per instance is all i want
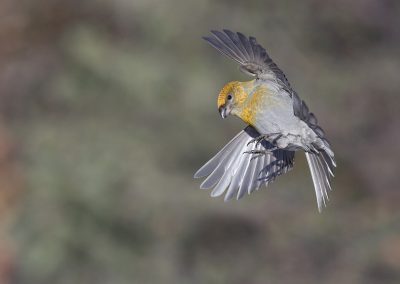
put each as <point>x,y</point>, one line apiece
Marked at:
<point>235,172</point>
<point>251,56</point>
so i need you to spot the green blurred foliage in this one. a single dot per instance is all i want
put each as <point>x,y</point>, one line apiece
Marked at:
<point>111,106</point>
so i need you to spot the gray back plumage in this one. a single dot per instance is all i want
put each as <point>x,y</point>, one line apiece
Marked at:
<point>301,110</point>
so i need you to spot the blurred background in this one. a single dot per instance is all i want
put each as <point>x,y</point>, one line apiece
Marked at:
<point>107,108</point>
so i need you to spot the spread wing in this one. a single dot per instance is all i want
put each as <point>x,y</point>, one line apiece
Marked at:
<point>235,172</point>
<point>251,56</point>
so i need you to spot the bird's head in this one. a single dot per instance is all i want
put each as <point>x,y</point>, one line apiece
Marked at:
<point>232,97</point>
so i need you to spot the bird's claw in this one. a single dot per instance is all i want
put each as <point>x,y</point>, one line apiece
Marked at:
<point>258,140</point>
<point>259,153</point>
<point>265,137</point>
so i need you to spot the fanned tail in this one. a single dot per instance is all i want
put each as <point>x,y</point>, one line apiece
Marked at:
<point>322,166</point>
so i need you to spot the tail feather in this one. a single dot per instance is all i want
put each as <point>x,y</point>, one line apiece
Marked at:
<point>321,167</point>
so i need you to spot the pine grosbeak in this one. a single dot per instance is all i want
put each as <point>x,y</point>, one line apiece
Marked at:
<point>279,123</point>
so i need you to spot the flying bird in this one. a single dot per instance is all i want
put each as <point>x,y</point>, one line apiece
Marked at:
<point>279,124</point>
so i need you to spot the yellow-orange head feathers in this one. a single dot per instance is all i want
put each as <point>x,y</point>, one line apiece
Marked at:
<point>234,99</point>
<point>234,89</point>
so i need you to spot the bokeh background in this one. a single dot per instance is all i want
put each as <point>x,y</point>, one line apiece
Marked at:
<point>107,108</point>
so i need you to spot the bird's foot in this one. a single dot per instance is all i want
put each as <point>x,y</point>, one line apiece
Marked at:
<point>259,153</point>
<point>267,137</point>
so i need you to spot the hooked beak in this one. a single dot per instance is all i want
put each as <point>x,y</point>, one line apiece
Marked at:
<point>222,111</point>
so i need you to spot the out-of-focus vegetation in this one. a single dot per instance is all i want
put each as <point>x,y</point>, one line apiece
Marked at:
<point>109,107</point>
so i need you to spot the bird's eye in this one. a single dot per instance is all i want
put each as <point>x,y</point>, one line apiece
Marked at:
<point>229,97</point>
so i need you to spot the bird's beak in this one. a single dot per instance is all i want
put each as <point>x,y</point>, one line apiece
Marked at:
<point>222,111</point>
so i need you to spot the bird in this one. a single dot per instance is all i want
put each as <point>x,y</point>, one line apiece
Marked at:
<point>279,124</point>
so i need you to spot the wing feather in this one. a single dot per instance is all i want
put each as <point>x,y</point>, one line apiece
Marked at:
<point>227,41</point>
<point>247,175</point>
<point>251,56</point>
<point>234,186</point>
<point>208,167</point>
<point>251,177</point>
<point>246,45</point>
<point>235,172</point>
<point>237,42</point>
<point>217,169</point>
<point>257,181</point>
<point>230,169</point>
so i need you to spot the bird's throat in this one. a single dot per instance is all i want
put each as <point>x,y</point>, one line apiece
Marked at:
<point>252,105</point>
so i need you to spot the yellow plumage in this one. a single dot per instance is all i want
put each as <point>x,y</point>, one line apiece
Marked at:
<point>248,99</point>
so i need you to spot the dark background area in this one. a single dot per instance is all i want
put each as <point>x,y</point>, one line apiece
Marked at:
<point>107,108</point>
